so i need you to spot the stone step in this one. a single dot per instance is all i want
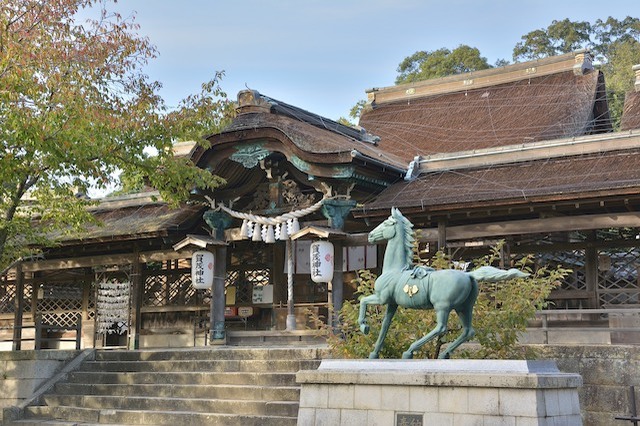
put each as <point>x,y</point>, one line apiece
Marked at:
<point>78,415</point>
<point>281,338</point>
<point>214,386</point>
<point>185,378</point>
<point>212,365</point>
<point>210,353</point>
<point>54,422</point>
<point>277,393</point>
<point>147,403</point>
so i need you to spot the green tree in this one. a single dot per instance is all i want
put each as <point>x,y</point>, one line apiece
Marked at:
<point>617,48</point>
<point>424,65</point>
<point>76,107</point>
<point>356,110</point>
<point>615,44</point>
<point>611,32</point>
<point>559,37</point>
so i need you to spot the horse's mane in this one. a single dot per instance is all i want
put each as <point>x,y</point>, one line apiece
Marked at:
<point>409,238</point>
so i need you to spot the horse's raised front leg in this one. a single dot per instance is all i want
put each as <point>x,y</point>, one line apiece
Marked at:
<point>442,316</point>
<point>372,299</point>
<point>386,322</point>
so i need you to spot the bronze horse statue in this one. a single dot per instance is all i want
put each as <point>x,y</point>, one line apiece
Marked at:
<point>419,287</point>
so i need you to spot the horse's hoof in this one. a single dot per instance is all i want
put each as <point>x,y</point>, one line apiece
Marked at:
<point>445,355</point>
<point>407,355</point>
<point>364,328</point>
<point>373,355</point>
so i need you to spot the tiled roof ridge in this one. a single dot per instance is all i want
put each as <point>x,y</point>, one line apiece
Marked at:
<point>128,200</point>
<point>580,62</point>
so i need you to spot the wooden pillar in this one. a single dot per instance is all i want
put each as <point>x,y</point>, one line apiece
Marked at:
<point>137,292</point>
<point>591,271</point>
<point>291,315</point>
<point>218,335</point>
<point>86,290</point>
<point>19,305</point>
<point>84,315</point>
<point>442,235</point>
<point>337,284</point>
<point>218,221</point>
<point>336,210</point>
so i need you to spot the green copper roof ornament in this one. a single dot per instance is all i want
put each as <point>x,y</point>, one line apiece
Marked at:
<point>336,210</point>
<point>250,155</point>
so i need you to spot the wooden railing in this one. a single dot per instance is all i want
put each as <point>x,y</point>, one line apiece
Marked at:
<point>42,331</point>
<point>582,321</point>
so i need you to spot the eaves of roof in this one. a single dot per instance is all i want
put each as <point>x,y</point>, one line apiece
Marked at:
<point>134,222</point>
<point>298,140</point>
<point>612,169</point>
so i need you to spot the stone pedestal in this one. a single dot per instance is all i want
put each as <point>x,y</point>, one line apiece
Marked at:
<point>438,392</point>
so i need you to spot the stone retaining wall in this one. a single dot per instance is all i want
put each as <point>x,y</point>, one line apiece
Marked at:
<point>607,372</point>
<point>23,372</point>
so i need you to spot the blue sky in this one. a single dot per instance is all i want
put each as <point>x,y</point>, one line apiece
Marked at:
<point>321,55</point>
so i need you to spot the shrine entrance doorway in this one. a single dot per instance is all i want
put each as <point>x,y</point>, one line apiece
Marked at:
<point>113,306</point>
<point>249,286</point>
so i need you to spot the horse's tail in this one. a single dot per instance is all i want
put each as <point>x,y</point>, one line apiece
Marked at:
<point>491,274</point>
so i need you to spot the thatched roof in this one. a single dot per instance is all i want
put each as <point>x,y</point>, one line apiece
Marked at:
<point>271,136</point>
<point>515,104</point>
<point>631,112</point>
<point>134,217</point>
<point>552,179</point>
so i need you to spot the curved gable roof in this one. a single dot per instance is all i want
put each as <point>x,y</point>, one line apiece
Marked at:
<point>308,138</point>
<point>310,142</point>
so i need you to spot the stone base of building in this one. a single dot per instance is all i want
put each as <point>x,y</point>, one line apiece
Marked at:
<point>438,392</point>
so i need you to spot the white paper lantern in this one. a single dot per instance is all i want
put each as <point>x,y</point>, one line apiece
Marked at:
<point>202,269</point>
<point>321,261</point>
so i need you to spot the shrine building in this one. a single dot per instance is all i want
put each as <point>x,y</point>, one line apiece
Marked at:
<point>525,154</point>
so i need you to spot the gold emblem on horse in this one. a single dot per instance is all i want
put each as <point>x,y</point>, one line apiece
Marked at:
<point>410,289</point>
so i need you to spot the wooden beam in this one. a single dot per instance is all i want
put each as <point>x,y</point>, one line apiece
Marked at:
<point>545,225</point>
<point>531,151</point>
<point>91,261</point>
<point>462,232</point>
<point>518,227</point>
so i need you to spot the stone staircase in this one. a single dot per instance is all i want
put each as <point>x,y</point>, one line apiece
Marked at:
<point>197,386</point>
